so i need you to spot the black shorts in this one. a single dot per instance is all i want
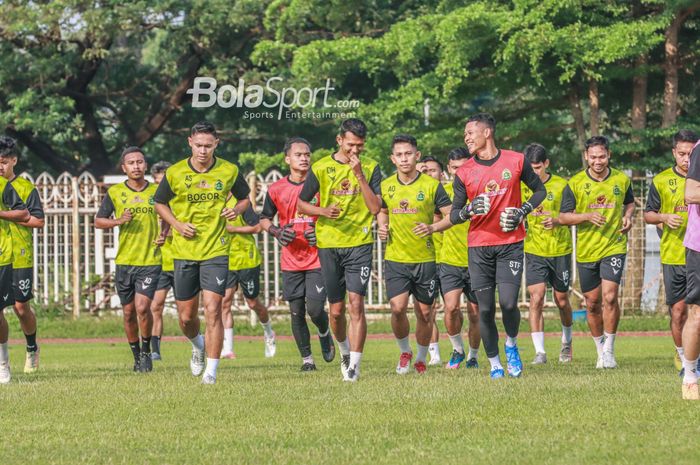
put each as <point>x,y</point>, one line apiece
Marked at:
<point>674,283</point>
<point>131,280</point>
<point>554,271</point>
<point>300,284</point>
<point>22,284</point>
<point>455,277</point>
<point>7,296</point>
<point>346,269</point>
<point>418,279</point>
<point>607,268</point>
<point>692,267</point>
<point>491,264</point>
<point>191,276</point>
<point>248,278</point>
<point>165,280</point>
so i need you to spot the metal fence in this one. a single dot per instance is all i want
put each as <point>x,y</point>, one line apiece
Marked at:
<point>74,262</point>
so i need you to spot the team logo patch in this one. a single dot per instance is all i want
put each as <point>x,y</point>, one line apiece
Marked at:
<point>616,190</point>
<point>151,201</point>
<point>314,201</point>
<point>550,196</point>
<point>203,184</point>
<point>506,174</point>
<point>421,196</point>
<point>23,252</point>
<point>218,185</point>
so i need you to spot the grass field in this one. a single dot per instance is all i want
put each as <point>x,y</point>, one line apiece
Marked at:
<point>84,406</point>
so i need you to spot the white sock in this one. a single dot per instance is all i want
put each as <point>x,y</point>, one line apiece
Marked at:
<point>434,349</point>
<point>309,359</point>
<point>473,353</point>
<point>212,365</point>
<point>680,352</point>
<point>511,341</point>
<point>404,345</point>
<point>599,345</point>
<point>422,353</point>
<point>344,347</point>
<point>495,362</point>
<point>538,342</point>
<point>198,342</point>
<point>690,375</point>
<point>355,359</point>
<point>457,342</point>
<point>4,354</point>
<point>566,334</point>
<point>267,328</point>
<point>609,344</point>
<point>228,340</point>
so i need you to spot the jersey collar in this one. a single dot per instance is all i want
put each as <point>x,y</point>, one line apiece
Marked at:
<point>189,163</point>
<point>489,162</point>
<point>548,179</point>
<point>595,180</point>
<point>134,190</point>
<point>409,183</point>
<point>289,180</point>
<point>673,168</point>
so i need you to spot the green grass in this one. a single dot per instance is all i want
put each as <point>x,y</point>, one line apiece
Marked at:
<point>84,406</point>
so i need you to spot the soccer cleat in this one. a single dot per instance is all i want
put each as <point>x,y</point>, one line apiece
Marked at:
<point>566,354</point>
<point>327,347</point>
<point>137,365</point>
<point>145,363</point>
<point>228,355</point>
<point>308,367</point>
<point>609,360</point>
<point>690,391</point>
<point>404,363</point>
<point>270,346</point>
<point>455,360</point>
<point>5,372</point>
<point>599,363</point>
<point>197,362</point>
<point>208,379</point>
<point>677,362</point>
<point>681,373</point>
<point>31,362</point>
<point>155,356</point>
<point>420,367</point>
<point>353,375</point>
<point>345,366</point>
<point>435,359</point>
<point>515,365</point>
<point>540,359</point>
<point>497,373</point>
<point>472,363</point>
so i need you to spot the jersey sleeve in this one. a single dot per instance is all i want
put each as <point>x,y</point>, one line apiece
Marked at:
<point>269,209</point>
<point>164,194</point>
<point>694,168</point>
<point>34,205</point>
<point>629,196</point>
<point>240,189</point>
<point>653,199</point>
<point>459,200</point>
<point>568,201</point>
<point>310,188</point>
<point>375,181</point>
<point>441,198</point>
<point>534,183</point>
<point>250,217</point>
<point>11,199</point>
<point>107,207</point>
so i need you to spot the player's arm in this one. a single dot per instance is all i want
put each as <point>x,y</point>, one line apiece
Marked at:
<point>308,192</point>
<point>104,220</point>
<point>269,211</point>
<point>443,205</point>
<point>286,234</point>
<point>568,215</point>
<point>383,222</point>
<point>371,190</point>
<point>240,190</point>
<point>252,221</point>
<point>692,180</point>
<point>36,211</point>
<point>17,211</point>
<point>628,211</point>
<point>164,194</point>
<point>651,211</point>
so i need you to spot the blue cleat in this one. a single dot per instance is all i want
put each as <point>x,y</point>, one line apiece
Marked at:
<point>472,363</point>
<point>455,360</point>
<point>497,373</point>
<point>515,365</point>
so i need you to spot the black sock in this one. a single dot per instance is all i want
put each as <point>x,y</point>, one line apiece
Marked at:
<point>155,344</point>
<point>146,345</point>
<point>31,342</point>
<point>135,349</point>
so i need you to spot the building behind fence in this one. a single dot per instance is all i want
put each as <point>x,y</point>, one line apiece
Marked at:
<point>74,262</point>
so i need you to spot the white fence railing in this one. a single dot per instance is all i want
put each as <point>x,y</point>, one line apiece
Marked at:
<point>74,262</point>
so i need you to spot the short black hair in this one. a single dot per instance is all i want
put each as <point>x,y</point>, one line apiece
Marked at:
<point>458,153</point>
<point>404,139</point>
<point>484,118</point>
<point>128,150</point>
<point>434,160</point>
<point>684,135</point>
<point>295,140</point>
<point>8,147</point>
<point>535,153</point>
<point>160,167</point>
<point>355,126</point>
<point>598,141</point>
<point>204,127</point>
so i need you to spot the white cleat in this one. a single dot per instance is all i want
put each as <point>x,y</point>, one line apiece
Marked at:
<point>609,360</point>
<point>599,363</point>
<point>207,379</point>
<point>345,366</point>
<point>353,375</point>
<point>197,362</point>
<point>404,365</point>
<point>5,372</point>
<point>270,346</point>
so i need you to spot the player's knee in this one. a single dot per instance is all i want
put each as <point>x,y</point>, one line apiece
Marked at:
<point>252,303</point>
<point>561,299</point>
<point>609,298</point>
<point>424,313</point>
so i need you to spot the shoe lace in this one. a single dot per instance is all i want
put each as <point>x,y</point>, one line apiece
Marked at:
<point>405,359</point>
<point>512,354</point>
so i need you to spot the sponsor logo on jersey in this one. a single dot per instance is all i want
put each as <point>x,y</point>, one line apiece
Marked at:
<point>137,199</point>
<point>601,202</point>
<point>203,184</point>
<point>540,211</point>
<point>680,208</point>
<point>346,188</point>
<point>404,208</point>
<point>203,197</point>
<point>493,189</point>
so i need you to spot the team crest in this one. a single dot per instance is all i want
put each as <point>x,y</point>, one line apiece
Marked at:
<point>550,196</point>
<point>151,201</point>
<point>420,197</point>
<point>616,190</point>
<point>313,201</point>
<point>506,174</point>
<point>219,185</point>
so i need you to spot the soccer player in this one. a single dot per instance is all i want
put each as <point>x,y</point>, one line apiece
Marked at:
<point>666,207</point>
<point>304,288</point>
<point>691,329</point>
<point>22,248</point>
<point>409,202</point>
<point>490,181</point>
<point>349,189</point>
<point>244,268</point>
<point>191,198</point>
<point>165,279</point>
<point>548,250</point>
<point>599,200</point>
<point>12,210</point>
<point>432,167</point>
<point>453,274</point>
<point>138,258</point>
